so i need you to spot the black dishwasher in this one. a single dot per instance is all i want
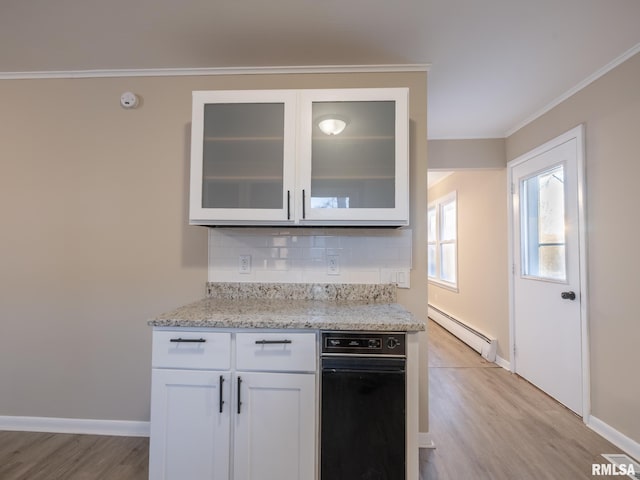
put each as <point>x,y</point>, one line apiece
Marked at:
<point>363,406</point>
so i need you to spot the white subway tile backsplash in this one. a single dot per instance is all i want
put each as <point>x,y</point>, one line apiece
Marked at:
<point>301,241</point>
<point>300,255</point>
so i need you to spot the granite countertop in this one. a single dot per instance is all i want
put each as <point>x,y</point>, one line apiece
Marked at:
<point>295,306</point>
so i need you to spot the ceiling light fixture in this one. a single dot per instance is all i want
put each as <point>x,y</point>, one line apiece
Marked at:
<point>332,124</point>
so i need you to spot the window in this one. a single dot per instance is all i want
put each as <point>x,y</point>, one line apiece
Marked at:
<point>543,226</point>
<point>442,253</point>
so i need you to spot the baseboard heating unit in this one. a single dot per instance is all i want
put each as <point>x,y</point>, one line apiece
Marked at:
<point>481,343</point>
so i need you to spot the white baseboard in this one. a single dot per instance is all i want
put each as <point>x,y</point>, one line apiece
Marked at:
<point>501,362</point>
<point>619,439</point>
<point>75,425</point>
<point>425,440</point>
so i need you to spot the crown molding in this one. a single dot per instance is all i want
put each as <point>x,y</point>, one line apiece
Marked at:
<point>183,72</point>
<point>583,84</point>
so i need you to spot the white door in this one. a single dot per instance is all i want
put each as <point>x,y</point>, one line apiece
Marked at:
<point>548,329</point>
<point>274,426</point>
<point>190,425</point>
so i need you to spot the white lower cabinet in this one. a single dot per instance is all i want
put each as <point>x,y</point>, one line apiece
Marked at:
<point>275,429</point>
<point>189,434</point>
<point>220,421</point>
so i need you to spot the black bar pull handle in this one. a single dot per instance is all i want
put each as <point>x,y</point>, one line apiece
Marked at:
<point>239,385</point>
<point>288,204</point>
<point>188,340</point>
<point>221,401</point>
<point>273,342</point>
<point>304,200</point>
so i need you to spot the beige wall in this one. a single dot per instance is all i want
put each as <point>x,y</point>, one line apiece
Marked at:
<point>471,153</point>
<point>482,297</point>
<point>610,110</point>
<point>93,202</point>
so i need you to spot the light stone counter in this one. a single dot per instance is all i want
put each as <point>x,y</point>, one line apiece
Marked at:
<point>314,307</point>
<point>294,306</point>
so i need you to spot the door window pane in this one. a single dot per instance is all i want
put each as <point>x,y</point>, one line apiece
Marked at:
<point>354,168</point>
<point>543,225</point>
<point>243,156</point>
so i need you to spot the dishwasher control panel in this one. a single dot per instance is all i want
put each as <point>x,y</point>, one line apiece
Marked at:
<point>364,343</point>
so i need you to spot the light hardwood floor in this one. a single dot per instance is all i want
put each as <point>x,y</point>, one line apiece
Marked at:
<point>490,424</point>
<point>487,424</point>
<point>49,456</point>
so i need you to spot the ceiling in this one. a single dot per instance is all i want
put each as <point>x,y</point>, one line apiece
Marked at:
<point>436,176</point>
<point>493,63</point>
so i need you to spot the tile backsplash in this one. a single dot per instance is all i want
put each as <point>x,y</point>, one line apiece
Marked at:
<point>310,255</point>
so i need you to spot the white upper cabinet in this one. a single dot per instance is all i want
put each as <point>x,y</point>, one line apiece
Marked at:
<point>359,175</point>
<point>242,157</point>
<point>262,157</point>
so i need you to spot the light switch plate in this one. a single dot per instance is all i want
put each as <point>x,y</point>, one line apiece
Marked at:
<point>401,277</point>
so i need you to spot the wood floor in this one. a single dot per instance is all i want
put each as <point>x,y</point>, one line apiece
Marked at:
<point>487,424</point>
<point>490,424</point>
<point>49,456</point>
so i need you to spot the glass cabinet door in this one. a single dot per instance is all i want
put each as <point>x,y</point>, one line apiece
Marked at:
<point>242,148</point>
<point>355,155</point>
<point>323,157</point>
<point>243,151</point>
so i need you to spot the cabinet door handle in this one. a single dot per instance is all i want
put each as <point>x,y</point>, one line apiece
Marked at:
<point>303,204</point>
<point>273,342</point>
<point>288,204</point>
<point>239,385</point>
<point>221,401</point>
<point>188,340</point>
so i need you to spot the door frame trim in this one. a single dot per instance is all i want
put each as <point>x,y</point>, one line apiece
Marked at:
<point>579,134</point>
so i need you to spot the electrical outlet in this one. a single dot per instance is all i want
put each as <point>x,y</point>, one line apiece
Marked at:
<point>244,264</point>
<point>333,266</point>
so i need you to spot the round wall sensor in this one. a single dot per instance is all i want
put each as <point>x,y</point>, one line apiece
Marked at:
<point>129,100</point>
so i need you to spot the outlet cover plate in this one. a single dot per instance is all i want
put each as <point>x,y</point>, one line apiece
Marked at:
<point>333,265</point>
<point>244,264</point>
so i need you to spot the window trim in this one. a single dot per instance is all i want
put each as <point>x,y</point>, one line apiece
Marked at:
<point>438,205</point>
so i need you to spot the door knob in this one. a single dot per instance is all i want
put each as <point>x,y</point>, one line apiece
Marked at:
<point>568,295</point>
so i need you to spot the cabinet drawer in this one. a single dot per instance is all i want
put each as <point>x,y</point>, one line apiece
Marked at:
<point>284,352</point>
<point>191,349</point>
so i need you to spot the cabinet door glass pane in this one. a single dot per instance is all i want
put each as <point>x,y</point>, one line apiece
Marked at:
<point>543,226</point>
<point>354,168</point>
<point>243,155</point>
